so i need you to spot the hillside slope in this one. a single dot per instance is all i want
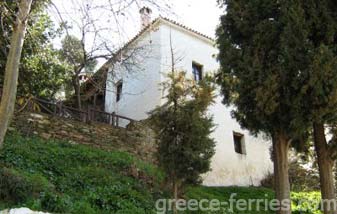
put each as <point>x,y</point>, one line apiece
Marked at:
<point>57,176</point>
<point>62,166</point>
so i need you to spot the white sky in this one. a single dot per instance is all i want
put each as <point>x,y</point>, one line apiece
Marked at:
<point>201,15</point>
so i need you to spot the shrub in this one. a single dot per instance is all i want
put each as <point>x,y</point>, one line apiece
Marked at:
<point>18,187</point>
<point>56,203</point>
<point>306,202</point>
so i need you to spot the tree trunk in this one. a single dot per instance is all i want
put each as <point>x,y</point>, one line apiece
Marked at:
<point>12,68</point>
<point>175,195</point>
<point>325,164</point>
<point>77,88</point>
<point>281,171</point>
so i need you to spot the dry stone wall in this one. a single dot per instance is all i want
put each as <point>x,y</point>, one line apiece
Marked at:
<point>137,138</point>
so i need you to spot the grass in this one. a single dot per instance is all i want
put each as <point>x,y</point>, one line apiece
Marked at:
<point>223,194</point>
<point>59,177</point>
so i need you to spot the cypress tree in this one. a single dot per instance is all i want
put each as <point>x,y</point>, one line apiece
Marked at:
<point>183,127</point>
<point>279,68</point>
<point>260,75</point>
<point>319,89</point>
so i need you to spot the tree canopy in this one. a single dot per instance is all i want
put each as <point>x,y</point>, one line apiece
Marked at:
<point>42,73</point>
<point>278,65</point>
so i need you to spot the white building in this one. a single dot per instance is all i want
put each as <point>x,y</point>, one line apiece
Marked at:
<point>134,90</point>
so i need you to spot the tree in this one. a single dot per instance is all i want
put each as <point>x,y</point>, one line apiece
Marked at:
<point>183,128</point>
<point>12,67</point>
<point>261,74</point>
<point>319,87</point>
<point>75,54</point>
<point>93,31</point>
<point>41,71</point>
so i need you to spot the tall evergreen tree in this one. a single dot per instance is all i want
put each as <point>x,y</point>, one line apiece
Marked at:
<point>278,61</point>
<point>319,88</point>
<point>260,76</point>
<point>184,128</point>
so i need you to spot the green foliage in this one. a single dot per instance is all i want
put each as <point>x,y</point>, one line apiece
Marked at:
<point>184,129</point>
<point>18,186</point>
<point>302,202</point>
<point>278,67</point>
<point>77,58</point>
<point>258,73</point>
<point>278,63</point>
<point>73,51</point>
<point>223,194</point>
<point>42,73</point>
<point>306,202</point>
<point>302,177</point>
<point>317,47</point>
<point>64,178</point>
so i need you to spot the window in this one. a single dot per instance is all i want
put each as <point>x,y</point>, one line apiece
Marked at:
<point>119,90</point>
<point>239,143</point>
<point>197,71</point>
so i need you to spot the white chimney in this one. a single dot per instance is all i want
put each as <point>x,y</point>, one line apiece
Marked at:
<point>145,16</point>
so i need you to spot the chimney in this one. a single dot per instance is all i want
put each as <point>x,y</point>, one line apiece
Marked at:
<point>145,16</point>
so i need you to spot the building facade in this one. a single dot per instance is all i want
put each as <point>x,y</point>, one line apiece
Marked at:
<point>133,89</point>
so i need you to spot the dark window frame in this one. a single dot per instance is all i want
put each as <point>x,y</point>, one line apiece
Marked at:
<point>119,91</point>
<point>239,143</point>
<point>197,71</point>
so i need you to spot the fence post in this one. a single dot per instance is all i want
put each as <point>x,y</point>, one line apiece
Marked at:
<point>55,109</point>
<point>113,115</point>
<point>61,109</point>
<point>88,116</point>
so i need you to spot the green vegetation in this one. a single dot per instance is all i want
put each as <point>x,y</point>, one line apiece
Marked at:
<point>42,72</point>
<point>183,127</point>
<point>223,194</point>
<point>61,177</point>
<point>278,68</point>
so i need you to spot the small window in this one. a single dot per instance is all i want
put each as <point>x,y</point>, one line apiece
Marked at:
<point>239,143</point>
<point>197,71</point>
<point>119,90</point>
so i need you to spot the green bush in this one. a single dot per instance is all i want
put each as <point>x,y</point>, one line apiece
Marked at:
<point>55,203</point>
<point>306,202</point>
<point>302,202</point>
<point>19,186</point>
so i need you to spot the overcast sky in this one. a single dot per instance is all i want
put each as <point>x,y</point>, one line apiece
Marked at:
<point>201,15</point>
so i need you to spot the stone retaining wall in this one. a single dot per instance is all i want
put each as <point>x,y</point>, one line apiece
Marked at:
<point>137,138</point>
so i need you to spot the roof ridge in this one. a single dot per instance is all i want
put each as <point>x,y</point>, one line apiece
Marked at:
<point>186,27</point>
<point>168,20</point>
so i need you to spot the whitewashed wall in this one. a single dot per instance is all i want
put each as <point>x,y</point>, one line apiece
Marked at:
<point>228,167</point>
<point>140,81</point>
